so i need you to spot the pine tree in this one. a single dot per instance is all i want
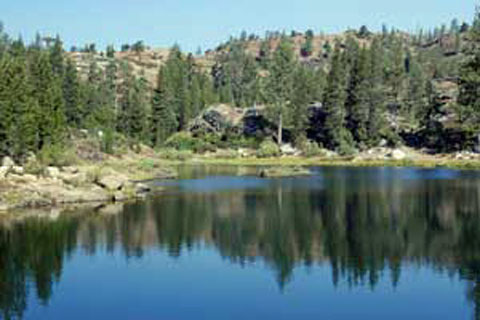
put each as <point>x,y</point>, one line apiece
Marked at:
<point>47,89</point>
<point>56,57</point>
<point>71,94</point>
<point>280,82</point>
<point>93,97</point>
<point>8,97</point>
<point>307,89</point>
<point>163,119</point>
<point>416,100</point>
<point>307,47</point>
<point>110,96</point>
<point>137,113</point>
<point>397,68</point>
<point>336,135</point>
<point>125,100</point>
<point>469,82</point>
<point>376,94</point>
<point>357,103</point>
<point>110,52</point>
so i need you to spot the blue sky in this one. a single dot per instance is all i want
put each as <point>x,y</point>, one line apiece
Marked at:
<point>205,23</point>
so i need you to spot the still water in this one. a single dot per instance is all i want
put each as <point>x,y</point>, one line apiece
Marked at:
<point>369,243</point>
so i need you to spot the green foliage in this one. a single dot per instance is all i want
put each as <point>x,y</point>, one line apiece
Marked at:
<point>71,94</point>
<point>108,141</point>
<point>54,155</point>
<point>110,52</point>
<point>268,149</point>
<point>147,164</point>
<point>138,46</point>
<point>42,95</point>
<point>334,100</point>
<point>307,47</point>
<point>174,154</point>
<point>235,77</point>
<point>469,82</point>
<point>311,149</point>
<point>226,154</point>
<point>185,141</point>
<point>280,83</point>
<point>346,148</point>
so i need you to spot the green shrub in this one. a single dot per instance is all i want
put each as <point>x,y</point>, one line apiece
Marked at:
<point>243,142</point>
<point>55,155</point>
<point>311,149</point>
<point>346,149</point>
<point>182,141</point>
<point>173,154</point>
<point>226,154</point>
<point>147,164</point>
<point>268,149</point>
<point>34,167</point>
<point>94,174</point>
<point>107,142</point>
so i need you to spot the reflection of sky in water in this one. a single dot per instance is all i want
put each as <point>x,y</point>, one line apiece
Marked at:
<point>320,177</point>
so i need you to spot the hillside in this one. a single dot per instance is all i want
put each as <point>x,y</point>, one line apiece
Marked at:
<point>148,62</point>
<point>439,55</point>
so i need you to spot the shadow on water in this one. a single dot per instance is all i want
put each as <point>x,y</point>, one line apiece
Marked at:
<point>361,222</point>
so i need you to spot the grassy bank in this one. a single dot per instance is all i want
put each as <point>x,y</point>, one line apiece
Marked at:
<point>442,162</point>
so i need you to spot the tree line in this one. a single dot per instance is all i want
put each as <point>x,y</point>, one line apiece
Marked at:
<point>372,88</point>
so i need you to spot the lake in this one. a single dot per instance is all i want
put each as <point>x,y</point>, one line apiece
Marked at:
<point>366,243</point>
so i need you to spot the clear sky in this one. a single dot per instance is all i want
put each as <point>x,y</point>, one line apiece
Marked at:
<point>205,23</point>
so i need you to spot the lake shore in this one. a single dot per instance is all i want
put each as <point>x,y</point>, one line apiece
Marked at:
<point>341,162</point>
<point>122,178</point>
<point>112,180</point>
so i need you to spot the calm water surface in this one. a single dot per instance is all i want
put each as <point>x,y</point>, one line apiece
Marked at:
<point>373,243</point>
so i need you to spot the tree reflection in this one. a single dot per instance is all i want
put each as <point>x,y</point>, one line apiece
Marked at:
<point>363,224</point>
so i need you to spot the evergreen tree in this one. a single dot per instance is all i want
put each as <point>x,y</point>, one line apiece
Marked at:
<point>47,90</point>
<point>357,103</point>
<point>336,136</point>
<point>93,97</point>
<point>125,101</point>
<point>280,82</point>
<point>138,111</point>
<point>307,47</point>
<point>397,68</point>
<point>163,120</point>
<point>376,103</point>
<point>71,94</point>
<point>264,53</point>
<point>307,89</point>
<point>416,100</point>
<point>56,57</point>
<point>110,51</point>
<point>469,82</point>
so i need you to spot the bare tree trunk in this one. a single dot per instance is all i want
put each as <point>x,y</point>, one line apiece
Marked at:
<point>280,129</point>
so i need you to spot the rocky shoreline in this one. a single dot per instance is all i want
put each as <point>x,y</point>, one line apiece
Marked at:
<point>55,186</point>
<point>127,177</point>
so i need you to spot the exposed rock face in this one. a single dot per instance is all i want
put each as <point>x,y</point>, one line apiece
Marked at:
<point>222,119</point>
<point>217,119</point>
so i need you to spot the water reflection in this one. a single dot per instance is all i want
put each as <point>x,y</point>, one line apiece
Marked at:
<point>363,223</point>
